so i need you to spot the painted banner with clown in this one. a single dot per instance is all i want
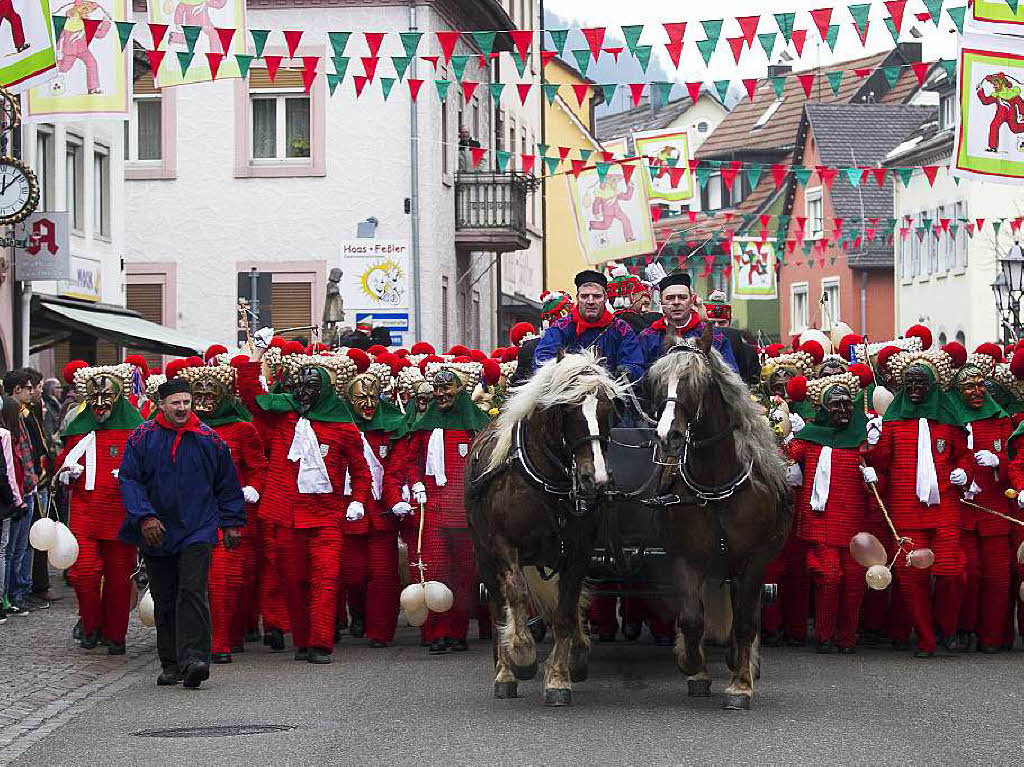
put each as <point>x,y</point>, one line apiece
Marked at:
<point>996,16</point>
<point>613,216</point>
<point>753,270</point>
<point>183,17</point>
<point>989,137</point>
<point>26,44</point>
<point>92,71</point>
<point>669,153</point>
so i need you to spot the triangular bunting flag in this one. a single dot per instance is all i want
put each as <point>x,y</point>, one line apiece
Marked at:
<point>631,33</point>
<point>807,82</point>
<point>822,17</point>
<point>339,41</point>
<point>581,90</point>
<point>860,12</point>
<point>643,55</point>
<point>779,84</point>
<point>949,67</point>
<point>551,165</point>
<point>244,61</point>
<point>582,57</point>
<point>273,64</point>
<point>675,30</point>
<point>414,87</point>
<point>750,85</point>
<point>920,69</point>
<point>476,154</point>
<point>736,44</point>
<point>214,60</point>
<point>802,173</point>
<point>496,89</point>
<point>722,86</point>
<point>550,91</point>
<point>501,158</point>
<point>602,169</point>
<point>863,35</point>
<point>891,26</point>
<point>401,64</point>
<point>124,32</point>
<point>225,35</point>
<point>904,175</point>
<point>660,93</point>
<point>832,37</point>
<point>799,38</point>
<point>373,41</point>
<point>484,41</point>
<point>675,51</point>
<point>785,22</point>
<point>767,40</point>
<point>595,39</point>
<point>459,66</point>
<point>558,37</point>
<point>292,37</point>
<point>636,90</point>
<point>930,172</point>
<point>442,88</point>
<point>522,39</point>
<point>748,25</point>
<point>468,89</point>
<point>340,65</point>
<point>713,28</point>
<point>157,32</point>
<point>520,63</point>
<point>447,41</point>
<point>706,48</point>
<point>309,65</point>
<point>934,10</point>
<point>359,82</point>
<point>835,79</point>
<point>957,15</point>
<point>184,60</point>
<point>895,8</point>
<point>892,75</point>
<point>191,32</point>
<point>332,82</point>
<point>386,84</point>
<point>155,59</point>
<point>259,40</point>
<point>607,92</point>
<point>753,173</point>
<point>693,89</point>
<point>524,91</point>
<point>853,175</point>
<point>527,161</point>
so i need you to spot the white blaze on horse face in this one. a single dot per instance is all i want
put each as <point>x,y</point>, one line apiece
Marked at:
<point>590,413</point>
<point>668,415</point>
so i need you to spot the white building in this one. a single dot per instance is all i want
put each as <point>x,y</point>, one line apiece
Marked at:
<point>236,174</point>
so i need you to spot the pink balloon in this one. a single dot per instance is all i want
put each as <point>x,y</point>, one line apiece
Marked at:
<point>867,550</point>
<point>922,559</point>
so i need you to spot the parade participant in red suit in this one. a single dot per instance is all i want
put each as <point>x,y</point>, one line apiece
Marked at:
<point>831,503</point>
<point>923,463</point>
<point>1009,388</point>
<point>94,443</point>
<point>311,443</point>
<point>233,582</point>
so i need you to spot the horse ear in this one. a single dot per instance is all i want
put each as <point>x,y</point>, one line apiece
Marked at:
<point>706,339</point>
<point>561,354</point>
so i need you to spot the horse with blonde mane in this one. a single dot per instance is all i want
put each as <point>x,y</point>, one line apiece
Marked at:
<point>532,496</point>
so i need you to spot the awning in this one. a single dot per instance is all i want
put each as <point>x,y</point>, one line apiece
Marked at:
<point>53,318</point>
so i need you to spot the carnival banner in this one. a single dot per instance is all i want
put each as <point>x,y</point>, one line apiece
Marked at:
<point>753,270</point>
<point>612,212</point>
<point>997,16</point>
<point>92,69</point>
<point>26,48</point>
<point>617,147</point>
<point>195,39</point>
<point>990,109</point>
<point>668,150</point>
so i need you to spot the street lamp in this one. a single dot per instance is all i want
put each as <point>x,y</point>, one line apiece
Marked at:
<point>1008,289</point>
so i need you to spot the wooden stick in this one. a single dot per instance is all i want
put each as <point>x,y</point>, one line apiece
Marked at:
<point>1007,517</point>
<point>419,544</point>
<point>885,512</point>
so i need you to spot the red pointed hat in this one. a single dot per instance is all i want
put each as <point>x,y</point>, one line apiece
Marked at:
<point>361,358</point>
<point>957,353</point>
<point>519,331</point>
<point>214,350</point>
<point>421,347</point>
<point>863,373</point>
<point>138,361</point>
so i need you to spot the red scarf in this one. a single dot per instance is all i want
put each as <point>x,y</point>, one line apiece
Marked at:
<point>193,424</point>
<point>582,326</point>
<point>691,323</point>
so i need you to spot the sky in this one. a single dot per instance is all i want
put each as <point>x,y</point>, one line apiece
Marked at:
<point>938,42</point>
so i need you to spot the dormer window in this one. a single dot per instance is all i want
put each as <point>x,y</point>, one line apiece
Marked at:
<point>947,111</point>
<point>768,114</point>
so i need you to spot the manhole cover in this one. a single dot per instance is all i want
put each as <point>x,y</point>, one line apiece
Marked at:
<point>225,731</point>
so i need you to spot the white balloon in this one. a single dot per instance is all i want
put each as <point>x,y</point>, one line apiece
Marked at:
<point>147,610</point>
<point>881,399</point>
<point>1020,553</point>
<point>64,553</point>
<point>417,618</point>
<point>43,534</point>
<point>878,577</point>
<point>439,598</point>
<point>412,598</point>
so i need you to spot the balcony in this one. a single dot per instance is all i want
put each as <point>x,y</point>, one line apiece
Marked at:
<point>490,211</point>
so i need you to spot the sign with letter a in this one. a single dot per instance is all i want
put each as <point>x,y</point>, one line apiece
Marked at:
<point>47,252</point>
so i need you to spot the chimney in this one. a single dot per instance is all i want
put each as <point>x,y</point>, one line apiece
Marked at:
<point>777,70</point>
<point>911,52</point>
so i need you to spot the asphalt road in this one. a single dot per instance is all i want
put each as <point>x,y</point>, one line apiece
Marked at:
<point>401,706</point>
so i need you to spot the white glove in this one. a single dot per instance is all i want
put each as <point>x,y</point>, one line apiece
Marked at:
<point>987,459</point>
<point>796,422</point>
<point>115,473</point>
<point>869,474</point>
<point>401,509</point>
<point>419,493</point>
<point>1020,498</point>
<point>958,477</point>
<point>355,512</point>
<point>874,428</point>
<point>794,475</point>
<point>73,472</point>
<point>261,338</point>
<point>250,494</point>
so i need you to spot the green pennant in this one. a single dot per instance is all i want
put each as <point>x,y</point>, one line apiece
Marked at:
<point>831,37</point>
<point>860,12</point>
<point>259,40</point>
<point>484,41</point>
<point>386,84</point>
<point>703,173</point>
<point>891,26</point>
<point>779,84</point>
<point>722,86</point>
<point>807,248</point>
<point>184,60</point>
<point>1013,5</point>
<point>706,48</point>
<point>892,75</point>
<point>496,90</point>
<point>996,224</point>
<point>124,31</point>
<point>653,170</point>
<point>949,67</point>
<point>339,41</point>
<point>753,174</point>
<point>520,63</point>
<point>542,149</point>
<point>835,79</point>
<point>802,173</point>
<point>58,25</point>
<point>191,32</point>
<point>459,66</point>
<point>785,22</point>
<point>953,229</point>
<point>957,14</point>
<point>632,34</point>
<point>767,40</point>
<point>607,92</point>
<point>713,28</point>
<point>501,158</point>
<point>558,37</point>
<point>550,91</point>
<point>340,66</point>
<point>602,169</point>
<point>442,88</point>
<point>643,55</point>
<point>934,8</point>
<point>582,60</point>
<point>904,174</point>
<point>853,174</point>
<point>244,61</point>
<point>401,65</point>
<point>660,93</point>
<point>551,164</point>
<point>585,154</point>
<point>333,81</point>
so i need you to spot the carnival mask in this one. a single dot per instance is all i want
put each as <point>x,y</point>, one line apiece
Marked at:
<point>424,395</point>
<point>831,367</point>
<point>364,394</point>
<point>918,383</point>
<point>101,394</point>
<point>306,388</point>
<point>446,389</point>
<point>971,388</point>
<point>777,381</point>
<point>839,406</point>
<point>207,395</point>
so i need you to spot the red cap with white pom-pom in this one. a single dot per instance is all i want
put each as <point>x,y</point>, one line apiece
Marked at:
<point>361,358</point>
<point>796,388</point>
<point>957,353</point>
<point>920,331</point>
<point>814,349</point>
<point>863,373</point>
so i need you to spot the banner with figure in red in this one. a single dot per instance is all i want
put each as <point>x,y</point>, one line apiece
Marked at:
<point>26,44</point>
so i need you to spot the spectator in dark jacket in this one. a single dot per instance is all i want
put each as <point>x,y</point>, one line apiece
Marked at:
<point>179,488</point>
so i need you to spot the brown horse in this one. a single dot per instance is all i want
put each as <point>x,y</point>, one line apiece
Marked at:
<point>531,494</point>
<point>728,511</point>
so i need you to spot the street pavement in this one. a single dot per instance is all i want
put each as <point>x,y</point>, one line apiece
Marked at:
<point>62,705</point>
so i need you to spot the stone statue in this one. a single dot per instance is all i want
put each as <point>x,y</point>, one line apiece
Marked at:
<point>334,306</point>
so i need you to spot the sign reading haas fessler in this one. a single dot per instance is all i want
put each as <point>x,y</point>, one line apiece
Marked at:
<point>47,253</point>
<point>377,282</point>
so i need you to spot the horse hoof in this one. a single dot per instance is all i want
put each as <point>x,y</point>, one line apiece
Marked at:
<point>736,702</point>
<point>558,697</point>
<point>698,688</point>
<point>506,690</point>
<point>523,673</point>
<point>579,673</point>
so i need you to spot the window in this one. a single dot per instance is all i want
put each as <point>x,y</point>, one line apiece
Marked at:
<point>767,114</point>
<point>702,126</point>
<point>830,305</point>
<point>444,312</point>
<point>947,111</point>
<point>148,300</point>
<point>905,265</point>
<point>933,244</point>
<point>960,218</point>
<point>915,246</point>
<point>74,187</point>
<point>474,330</point>
<point>814,211</point>
<point>280,127</point>
<point>961,338</point>
<point>101,191</point>
<point>143,132</point>
<point>283,126</point>
<point>942,339</point>
<point>948,240</point>
<point>291,303</point>
<point>714,196</point>
<point>44,168</point>
<point>798,307</point>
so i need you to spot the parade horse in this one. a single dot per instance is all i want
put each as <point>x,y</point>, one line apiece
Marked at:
<point>532,492</point>
<point>726,509</point>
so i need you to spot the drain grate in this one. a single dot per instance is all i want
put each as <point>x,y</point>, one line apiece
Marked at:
<point>223,731</point>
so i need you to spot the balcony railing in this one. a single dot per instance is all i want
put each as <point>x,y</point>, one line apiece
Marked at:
<point>490,211</point>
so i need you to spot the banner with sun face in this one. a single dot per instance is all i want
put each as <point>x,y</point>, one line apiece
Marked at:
<point>376,275</point>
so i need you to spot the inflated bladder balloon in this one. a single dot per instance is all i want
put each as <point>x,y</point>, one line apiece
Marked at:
<point>64,553</point>
<point>43,534</point>
<point>881,398</point>
<point>147,610</point>
<point>922,559</point>
<point>878,577</point>
<point>417,618</point>
<point>867,550</point>
<point>439,598</point>
<point>1020,553</point>
<point>412,598</point>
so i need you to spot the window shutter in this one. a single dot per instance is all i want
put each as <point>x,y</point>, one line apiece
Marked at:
<point>285,78</point>
<point>144,85</point>
<point>148,300</point>
<point>291,306</point>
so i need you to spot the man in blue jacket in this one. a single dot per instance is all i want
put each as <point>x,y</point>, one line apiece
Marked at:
<point>179,488</point>
<point>591,325</point>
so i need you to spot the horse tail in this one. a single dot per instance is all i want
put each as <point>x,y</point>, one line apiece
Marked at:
<point>716,597</point>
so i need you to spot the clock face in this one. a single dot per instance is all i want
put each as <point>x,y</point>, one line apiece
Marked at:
<point>19,193</point>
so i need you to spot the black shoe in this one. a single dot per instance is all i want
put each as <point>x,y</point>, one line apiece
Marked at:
<point>825,648</point>
<point>376,644</point>
<point>195,674</point>
<point>664,641</point>
<point>252,636</point>
<point>794,642</point>
<point>870,638</point>
<point>968,641</point>
<point>438,647</point>
<point>115,648</point>
<point>847,650</point>
<point>221,657</point>
<point>3,615</point>
<point>989,649</point>
<point>632,631</point>
<point>319,656</point>
<point>458,645</point>
<point>274,639</point>
<point>358,627</point>
<point>301,653</point>
<point>76,632</point>
<point>900,645</point>
<point>36,603</point>
<point>167,678</point>
<point>952,643</point>
<point>18,610</point>
<point>772,639</point>
<point>337,635</point>
<point>237,648</point>
<point>89,641</point>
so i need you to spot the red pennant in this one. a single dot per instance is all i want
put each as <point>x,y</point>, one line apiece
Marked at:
<point>694,90</point>
<point>580,89</point>
<point>764,221</point>
<point>637,90</point>
<point>895,8</point>
<point>880,174</point>
<point>675,175</point>
<point>930,171</point>
<point>309,65</point>
<point>432,60</point>
<point>827,176</point>
<point>476,152</point>
<point>360,83</point>
<point>291,39</point>
<point>447,41</point>
<point>606,156</point>
<point>627,172</point>
<point>369,66</point>
<point>157,31</point>
<point>750,83</point>
<point>736,43</point>
<point>274,63</point>
<point>837,223</point>
<point>749,26</point>
<point>822,18</point>
<point>863,34</point>
<point>595,39</point>
<point>563,152</point>
<point>862,72</point>
<point>692,214</point>
<point>870,233</point>
<point>921,70</point>
<point>527,161</point>
<point>214,60</point>
<point>614,53</point>
<point>522,39</point>
<point>373,41</point>
<point>729,174</point>
<point>807,81</point>
<point>546,56</point>
<point>944,223</point>
<point>155,59</point>
<point>524,91</point>
<point>675,30</point>
<point>779,174</point>
<point>801,223</point>
<point>970,230</point>
<point>468,89</point>
<point>655,212</point>
<point>414,88</point>
<point>799,38</point>
<point>225,35</point>
<point>923,16</point>
<point>1015,224</point>
<point>577,167</point>
<point>981,223</point>
<point>91,27</point>
<point>675,50</point>
<point>482,60</point>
